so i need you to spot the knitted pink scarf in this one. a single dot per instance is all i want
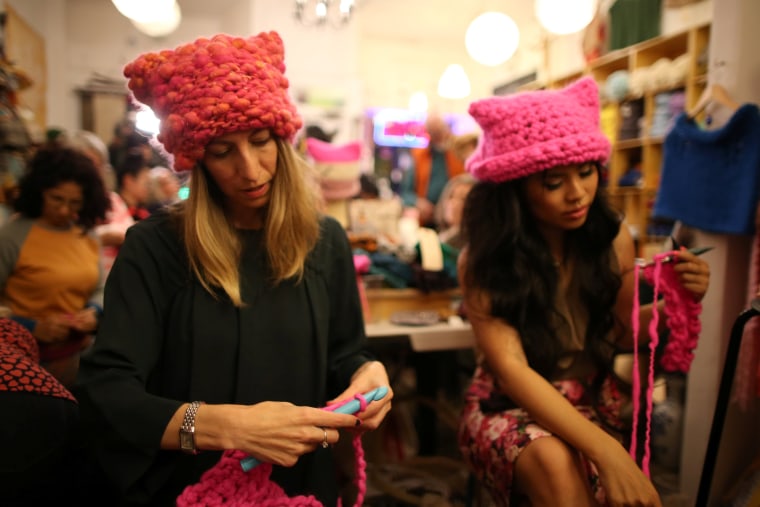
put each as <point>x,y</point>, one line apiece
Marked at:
<point>227,485</point>
<point>682,314</point>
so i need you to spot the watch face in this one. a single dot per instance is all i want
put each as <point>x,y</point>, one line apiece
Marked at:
<point>186,441</point>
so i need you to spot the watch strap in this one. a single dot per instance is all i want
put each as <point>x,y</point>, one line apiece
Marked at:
<point>187,430</point>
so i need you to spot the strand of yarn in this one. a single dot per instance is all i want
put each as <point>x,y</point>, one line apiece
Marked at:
<point>654,340</point>
<point>361,463</point>
<point>682,318</point>
<point>636,387</point>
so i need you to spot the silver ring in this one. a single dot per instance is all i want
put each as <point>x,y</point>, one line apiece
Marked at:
<point>325,444</point>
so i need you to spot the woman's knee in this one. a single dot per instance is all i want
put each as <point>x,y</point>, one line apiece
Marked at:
<point>548,467</point>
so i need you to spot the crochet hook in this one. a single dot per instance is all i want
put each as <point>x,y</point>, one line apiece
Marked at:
<point>669,258</point>
<point>351,406</point>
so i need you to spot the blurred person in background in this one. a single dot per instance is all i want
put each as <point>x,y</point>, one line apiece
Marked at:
<point>50,264</point>
<point>431,169</point>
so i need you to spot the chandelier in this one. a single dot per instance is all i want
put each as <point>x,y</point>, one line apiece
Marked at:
<point>335,13</point>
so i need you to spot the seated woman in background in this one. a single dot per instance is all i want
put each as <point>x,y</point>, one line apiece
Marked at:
<point>548,283</point>
<point>448,212</point>
<point>50,265</point>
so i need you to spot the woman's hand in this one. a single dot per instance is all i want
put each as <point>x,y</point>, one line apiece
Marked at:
<point>85,321</point>
<point>53,328</point>
<point>693,273</point>
<point>369,376</point>
<point>279,432</point>
<point>624,483</point>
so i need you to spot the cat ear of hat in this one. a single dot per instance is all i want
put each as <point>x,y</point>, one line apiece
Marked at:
<point>530,132</point>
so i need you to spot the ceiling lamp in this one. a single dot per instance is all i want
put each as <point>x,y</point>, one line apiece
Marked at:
<point>492,38</point>
<point>161,27</point>
<point>562,17</point>
<point>155,18</point>
<point>454,83</point>
<point>320,13</point>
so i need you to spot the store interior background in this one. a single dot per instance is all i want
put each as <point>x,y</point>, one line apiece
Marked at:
<point>392,48</point>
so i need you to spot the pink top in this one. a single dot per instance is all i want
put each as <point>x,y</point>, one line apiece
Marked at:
<point>117,220</point>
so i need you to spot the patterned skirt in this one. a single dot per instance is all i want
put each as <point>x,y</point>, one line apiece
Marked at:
<point>491,437</point>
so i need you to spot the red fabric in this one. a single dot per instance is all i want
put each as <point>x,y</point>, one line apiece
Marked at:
<point>20,370</point>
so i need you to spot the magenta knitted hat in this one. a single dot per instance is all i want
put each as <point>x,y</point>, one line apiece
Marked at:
<point>529,132</point>
<point>212,87</point>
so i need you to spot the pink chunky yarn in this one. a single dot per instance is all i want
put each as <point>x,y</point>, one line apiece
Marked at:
<point>682,314</point>
<point>215,86</point>
<point>227,485</point>
<point>529,132</point>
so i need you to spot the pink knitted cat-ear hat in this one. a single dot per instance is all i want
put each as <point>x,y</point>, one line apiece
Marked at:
<point>212,87</point>
<point>529,132</point>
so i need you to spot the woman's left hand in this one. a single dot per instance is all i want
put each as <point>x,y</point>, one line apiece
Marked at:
<point>693,273</point>
<point>85,321</point>
<point>369,376</point>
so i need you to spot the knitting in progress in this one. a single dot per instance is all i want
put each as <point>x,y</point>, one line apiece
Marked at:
<point>682,314</point>
<point>229,484</point>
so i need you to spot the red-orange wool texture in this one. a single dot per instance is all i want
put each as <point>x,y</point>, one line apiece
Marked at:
<point>212,87</point>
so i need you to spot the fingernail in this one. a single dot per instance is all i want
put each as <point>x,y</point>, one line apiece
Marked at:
<point>358,422</point>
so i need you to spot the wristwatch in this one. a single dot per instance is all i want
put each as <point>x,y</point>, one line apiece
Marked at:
<point>187,430</point>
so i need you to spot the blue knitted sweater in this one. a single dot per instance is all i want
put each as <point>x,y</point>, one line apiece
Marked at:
<point>711,179</point>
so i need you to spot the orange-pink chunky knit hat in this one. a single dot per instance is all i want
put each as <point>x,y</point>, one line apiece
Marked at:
<point>212,87</point>
<point>529,132</point>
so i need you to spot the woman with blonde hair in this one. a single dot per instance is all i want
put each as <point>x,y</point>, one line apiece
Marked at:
<point>233,316</point>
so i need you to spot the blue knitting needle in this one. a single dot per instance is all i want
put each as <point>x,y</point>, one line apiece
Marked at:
<point>350,407</point>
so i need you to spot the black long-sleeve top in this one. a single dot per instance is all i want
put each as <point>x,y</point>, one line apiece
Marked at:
<point>163,340</point>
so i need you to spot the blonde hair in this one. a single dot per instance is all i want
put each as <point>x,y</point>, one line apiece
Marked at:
<point>291,227</point>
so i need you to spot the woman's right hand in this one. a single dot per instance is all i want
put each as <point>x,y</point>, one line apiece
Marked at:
<point>53,328</point>
<point>280,433</point>
<point>624,483</point>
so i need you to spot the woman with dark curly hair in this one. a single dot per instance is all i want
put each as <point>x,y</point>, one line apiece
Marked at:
<point>548,283</point>
<point>50,263</point>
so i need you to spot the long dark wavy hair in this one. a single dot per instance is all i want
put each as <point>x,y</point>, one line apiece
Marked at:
<point>510,260</point>
<point>52,165</point>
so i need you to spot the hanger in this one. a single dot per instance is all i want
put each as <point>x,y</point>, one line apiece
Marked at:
<point>713,93</point>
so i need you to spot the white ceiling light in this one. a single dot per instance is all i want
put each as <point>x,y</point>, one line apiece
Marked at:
<point>492,38</point>
<point>454,83</point>
<point>144,11</point>
<point>562,17</point>
<point>161,27</point>
<point>418,102</point>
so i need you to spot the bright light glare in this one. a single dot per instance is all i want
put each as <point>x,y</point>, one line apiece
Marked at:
<point>562,17</point>
<point>418,102</point>
<point>492,38</point>
<point>147,122</point>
